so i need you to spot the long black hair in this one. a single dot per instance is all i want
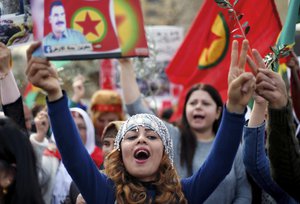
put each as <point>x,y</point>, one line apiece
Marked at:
<point>188,138</point>
<point>16,151</point>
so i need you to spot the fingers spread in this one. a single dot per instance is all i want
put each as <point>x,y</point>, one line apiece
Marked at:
<point>252,65</point>
<point>259,60</point>
<point>243,55</point>
<point>234,53</point>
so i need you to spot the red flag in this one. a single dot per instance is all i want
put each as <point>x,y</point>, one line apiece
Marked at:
<point>204,55</point>
<point>130,25</point>
<point>106,74</point>
<point>30,94</point>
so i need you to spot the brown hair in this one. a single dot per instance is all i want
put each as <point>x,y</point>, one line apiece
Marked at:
<point>131,190</point>
<point>188,139</point>
<point>111,130</point>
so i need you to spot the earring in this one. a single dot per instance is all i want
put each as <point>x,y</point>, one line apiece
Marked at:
<point>4,191</point>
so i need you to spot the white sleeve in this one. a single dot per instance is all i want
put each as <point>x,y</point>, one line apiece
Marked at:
<point>9,90</point>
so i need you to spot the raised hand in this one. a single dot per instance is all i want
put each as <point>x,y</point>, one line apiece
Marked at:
<point>130,88</point>
<point>269,84</point>
<point>256,64</point>
<point>125,63</point>
<point>241,84</point>
<point>78,88</point>
<point>293,62</point>
<point>41,74</point>
<point>5,60</point>
<point>41,122</point>
<point>258,114</point>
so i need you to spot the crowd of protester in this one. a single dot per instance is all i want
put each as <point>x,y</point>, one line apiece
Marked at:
<point>115,149</point>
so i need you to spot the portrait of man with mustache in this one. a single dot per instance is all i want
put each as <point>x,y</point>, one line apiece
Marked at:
<point>60,34</point>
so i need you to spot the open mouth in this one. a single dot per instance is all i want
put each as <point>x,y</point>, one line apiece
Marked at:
<point>198,116</point>
<point>141,154</point>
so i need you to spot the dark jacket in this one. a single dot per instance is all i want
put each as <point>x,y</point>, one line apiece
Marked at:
<point>284,150</point>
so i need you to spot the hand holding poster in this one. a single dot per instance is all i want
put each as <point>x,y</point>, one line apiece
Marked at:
<point>85,29</point>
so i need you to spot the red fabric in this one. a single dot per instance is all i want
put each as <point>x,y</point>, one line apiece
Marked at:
<point>51,153</point>
<point>186,69</point>
<point>130,26</point>
<point>97,155</point>
<point>107,108</point>
<point>30,88</point>
<point>107,74</point>
<point>27,89</point>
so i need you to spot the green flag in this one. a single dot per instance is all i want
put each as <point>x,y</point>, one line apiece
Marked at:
<point>287,36</point>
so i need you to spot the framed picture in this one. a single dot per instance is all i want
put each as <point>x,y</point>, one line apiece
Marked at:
<point>90,29</point>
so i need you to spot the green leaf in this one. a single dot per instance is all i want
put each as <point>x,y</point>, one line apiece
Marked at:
<point>245,24</point>
<point>240,16</point>
<point>238,36</point>
<point>281,47</point>
<point>219,1</point>
<point>223,4</point>
<point>273,49</point>
<point>283,51</point>
<point>275,66</point>
<point>235,2</point>
<point>268,59</point>
<point>247,29</point>
<point>272,59</point>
